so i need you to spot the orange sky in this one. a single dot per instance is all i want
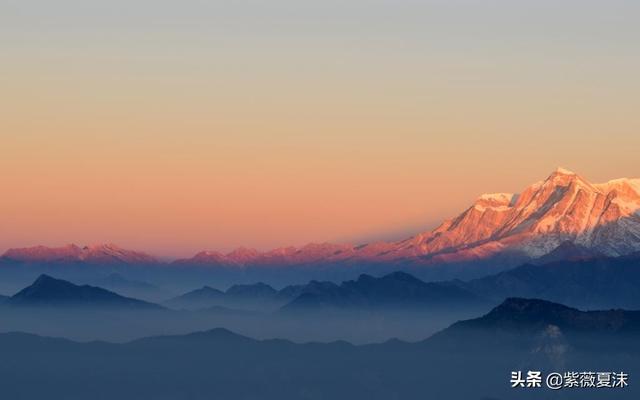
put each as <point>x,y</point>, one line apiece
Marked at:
<point>314,125</point>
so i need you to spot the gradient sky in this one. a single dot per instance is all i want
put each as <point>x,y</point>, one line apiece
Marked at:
<point>177,126</point>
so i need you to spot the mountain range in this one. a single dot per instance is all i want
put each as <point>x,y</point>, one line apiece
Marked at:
<point>502,229</point>
<point>579,280</point>
<point>257,296</point>
<point>395,291</point>
<point>472,359</point>
<point>588,282</point>
<point>365,309</point>
<point>398,290</point>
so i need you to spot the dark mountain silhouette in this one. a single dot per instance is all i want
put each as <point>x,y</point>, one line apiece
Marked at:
<point>48,291</point>
<point>399,290</point>
<point>530,315</point>
<point>470,360</point>
<point>396,290</point>
<point>586,283</point>
<point>546,335</point>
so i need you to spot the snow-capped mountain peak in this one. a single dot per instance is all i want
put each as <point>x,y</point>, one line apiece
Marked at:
<point>563,207</point>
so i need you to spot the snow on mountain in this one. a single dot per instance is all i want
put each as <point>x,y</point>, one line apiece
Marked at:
<point>564,207</point>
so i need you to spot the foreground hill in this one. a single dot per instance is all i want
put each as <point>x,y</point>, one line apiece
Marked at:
<point>470,360</point>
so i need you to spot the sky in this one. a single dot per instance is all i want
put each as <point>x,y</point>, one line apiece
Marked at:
<point>173,127</point>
